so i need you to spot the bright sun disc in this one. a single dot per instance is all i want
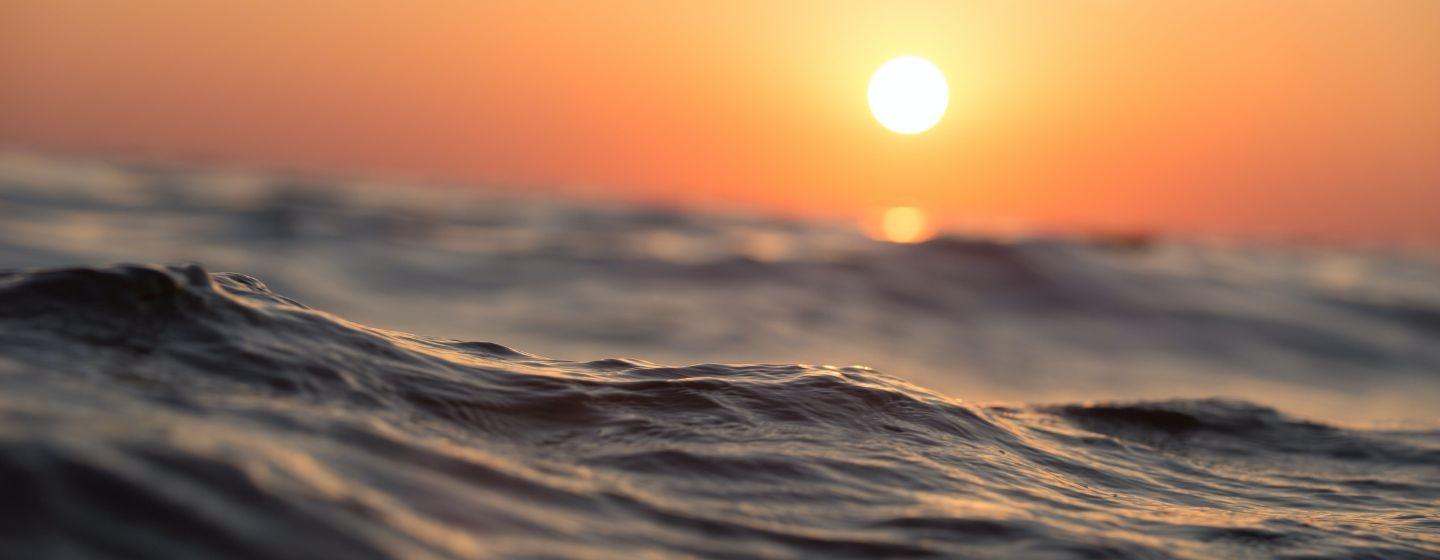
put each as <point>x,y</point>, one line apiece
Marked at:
<point>908,95</point>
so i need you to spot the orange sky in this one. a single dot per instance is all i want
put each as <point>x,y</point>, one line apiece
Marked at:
<point>1284,118</point>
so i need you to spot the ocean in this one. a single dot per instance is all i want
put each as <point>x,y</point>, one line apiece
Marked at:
<point>295,366</point>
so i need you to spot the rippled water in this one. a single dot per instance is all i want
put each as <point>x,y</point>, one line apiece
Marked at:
<point>168,412</point>
<point>153,411</point>
<point>1343,336</point>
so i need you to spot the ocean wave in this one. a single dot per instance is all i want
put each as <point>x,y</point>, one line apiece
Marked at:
<point>155,411</point>
<point>1339,335</point>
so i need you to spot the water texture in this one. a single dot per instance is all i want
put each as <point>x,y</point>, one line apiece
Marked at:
<point>1342,335</point>
<point>167,412</point>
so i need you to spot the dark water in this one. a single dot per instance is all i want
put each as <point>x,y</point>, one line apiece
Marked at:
<point>152,412</point>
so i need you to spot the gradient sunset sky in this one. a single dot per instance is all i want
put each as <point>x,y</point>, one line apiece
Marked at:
<point>1273,118</point>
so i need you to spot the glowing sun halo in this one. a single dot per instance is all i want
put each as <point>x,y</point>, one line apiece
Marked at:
<point>900,224</point>
<point>908,95</point>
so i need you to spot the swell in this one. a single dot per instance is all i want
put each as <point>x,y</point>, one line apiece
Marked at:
<point>1344,335</point>
<point>168,412</point>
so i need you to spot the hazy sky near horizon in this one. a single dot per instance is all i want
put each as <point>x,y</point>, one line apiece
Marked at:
<point>1316,118</point>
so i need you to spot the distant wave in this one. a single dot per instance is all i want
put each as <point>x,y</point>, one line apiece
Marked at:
<point>153,411</point>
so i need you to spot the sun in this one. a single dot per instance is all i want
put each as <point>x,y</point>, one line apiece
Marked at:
<point>908,95</point>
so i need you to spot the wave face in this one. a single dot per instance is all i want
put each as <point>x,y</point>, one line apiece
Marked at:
<point>168,412</point>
